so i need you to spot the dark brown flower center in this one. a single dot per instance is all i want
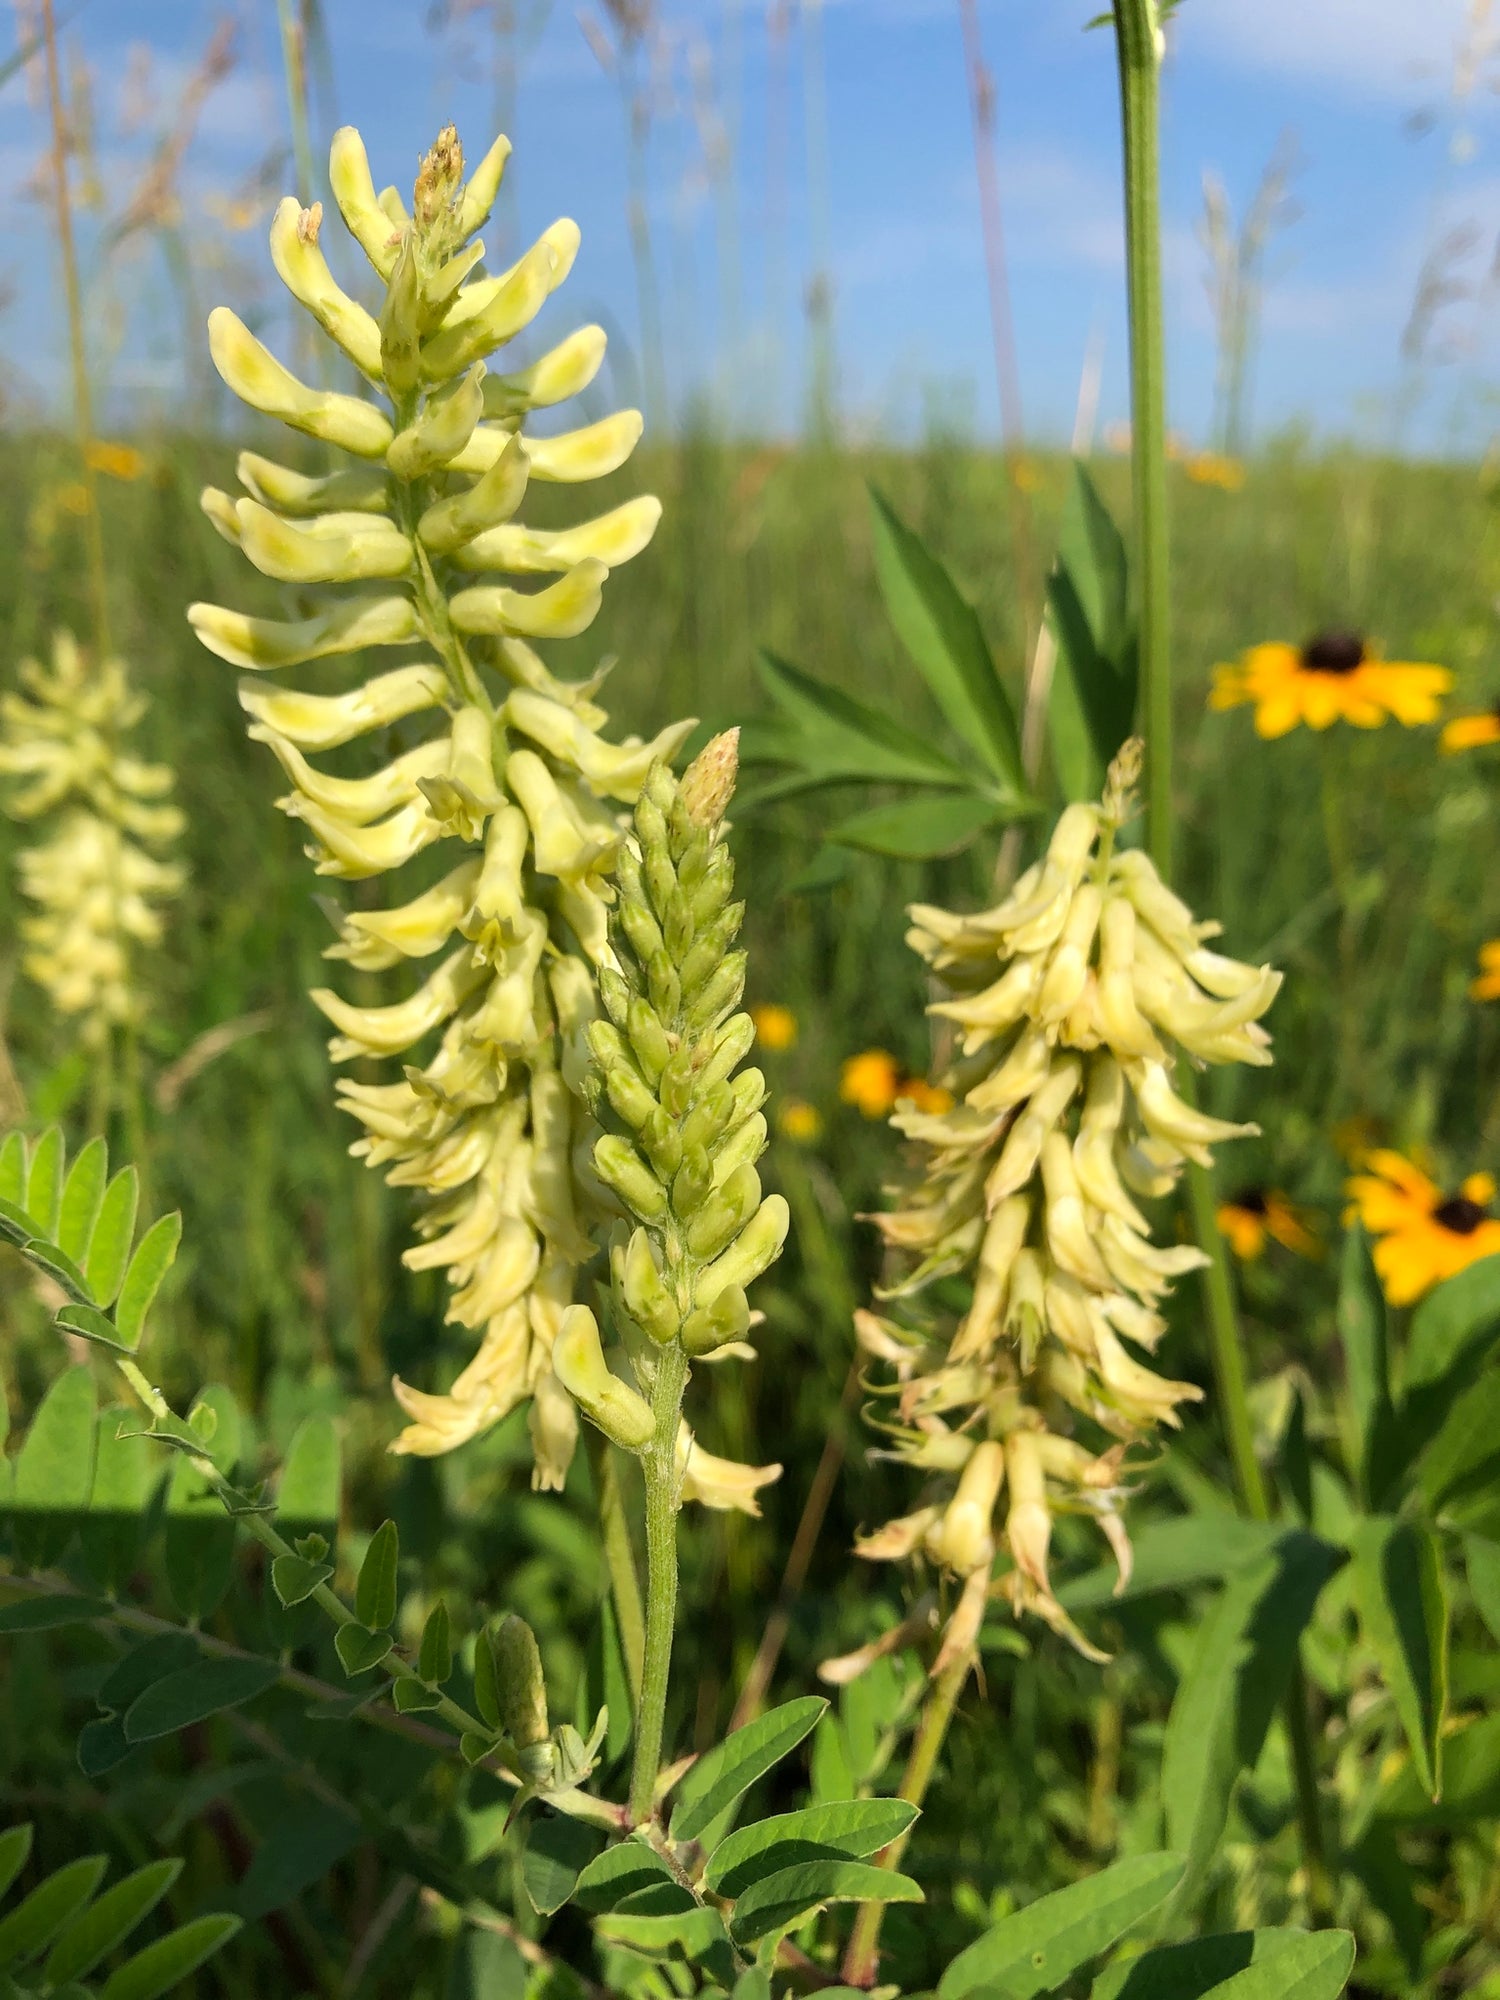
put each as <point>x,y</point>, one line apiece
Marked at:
<point>1333,653</point>
<point>1460,1215</point>
<point>1251,1199</point>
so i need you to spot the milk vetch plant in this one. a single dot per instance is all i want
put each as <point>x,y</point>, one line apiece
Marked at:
<point>516,785</point>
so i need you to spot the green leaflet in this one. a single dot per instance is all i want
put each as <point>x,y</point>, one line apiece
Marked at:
<point>731,1767</point>
<point>1039,1947</point>
<point>44,1183</point>
<point>942,633</point>
<point>1482,1562</point>
<point>47,1614</point>
<point>196,1692</point>
<point>921,828</point>
<point>1196,1548</point>
<point>32,1925</point>
<point>307,1493</point>
<point>854,1828</point>
<point>375,1592</point>
<point>1091,706</point>
<point>1467,1444</point>
<point>109,1247</point>
<point>835,737</point>
<point>1239,1667</point>
<point>1242,1965</point>
<point>1363,1336</point>
<point>1471,1782</point>
<point>557,1851</point>
<point>1403,1612</point>
<point>83,1192</point>
<point>165,1964</point>
<point>55,1469</point>
<point>775,1903</point>
<point>620,1872</point>
<point>149,1265</point>
<point>109,1921</point>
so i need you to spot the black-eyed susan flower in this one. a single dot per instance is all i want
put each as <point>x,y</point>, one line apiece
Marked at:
<point>1255,1215</point>
<point>798,1120</point>
<point>1487,985</point>
<point>871,1082</point>
<point>775,1026</point>
<point>1332,678</point>
<point>1471,732</point>
<point>1422,1234</point>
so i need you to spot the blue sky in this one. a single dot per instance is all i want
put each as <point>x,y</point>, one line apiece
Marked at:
<point>757,180</point>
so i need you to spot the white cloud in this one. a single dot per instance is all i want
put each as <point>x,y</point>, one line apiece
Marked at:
<point>1403,50</point>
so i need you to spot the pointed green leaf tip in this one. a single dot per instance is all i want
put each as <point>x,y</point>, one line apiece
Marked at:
<point>375,1592</point>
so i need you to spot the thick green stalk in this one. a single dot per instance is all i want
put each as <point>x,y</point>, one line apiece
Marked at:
<point>1138,38</point>
<point>659,1464</point>
<point>1139,43</point>
<point>619,1558</point>
<point>862,1959</point>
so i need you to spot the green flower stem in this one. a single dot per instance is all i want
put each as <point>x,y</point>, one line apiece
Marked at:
<point>1139,45</point>
<point>659,1463</point>
<point>862,1959</point>
<point>1137,35</point>
<point>619,1558</point>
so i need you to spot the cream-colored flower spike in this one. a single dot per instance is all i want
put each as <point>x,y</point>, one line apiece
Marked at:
<point>1069,1001</point>
<point>96,882</point>
<point>498,765</point>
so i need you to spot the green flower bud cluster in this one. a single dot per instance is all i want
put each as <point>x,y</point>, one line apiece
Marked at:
<point>685,1125</point>
<point>98,879</point>
<point>516,784</point>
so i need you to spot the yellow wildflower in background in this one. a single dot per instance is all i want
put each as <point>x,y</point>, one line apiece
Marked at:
<point>797,1119</point>
<point>1471,732</point>
<point>120,461</point>
<point>1423,1235</point>
<point>1487,985</point>
<point>1333,678</point>
<point>925,1096</point>
<point>1212,468</point>
<point>871,1082</point>
<point>775,1026</point>
<point>1254,1215</point>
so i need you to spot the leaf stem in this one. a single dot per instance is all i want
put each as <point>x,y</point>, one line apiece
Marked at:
<point>862,1959</point>
<point>659,1464</point>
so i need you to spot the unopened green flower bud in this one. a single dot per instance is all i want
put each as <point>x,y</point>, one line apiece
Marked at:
<point>615,992</point>
<point>629,1094</point>
<point>664,985</point>
<point>725,1213</point>
<point>691,1185</point>
<point>708,865</point>
<point>645,1291</point>
<point>401,323</point>
<point>608,1403</point>
<point>708,782</point>
<point>519,1681</point>
<point>441,432</point>
<point>648,1039</point>
<point>711,1114</point>
<point>663,1143</point>
<point>758,1246</point>
<point>677,929</point>
<point>711,941</point>
<point>742,1148</point>
<point>720,994</point>
<point>641,928</point>
<point>650,823</point>
<point>732,1043</point>
<point>711,1326</point>
<point>620,1167</point>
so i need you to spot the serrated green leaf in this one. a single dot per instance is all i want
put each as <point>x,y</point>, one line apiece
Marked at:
<point>359,1649</point>
<point>920,829</point>
<point>557,1851</point>
<point>150,1264</point>
<point>307,1493</point>
<point>165,1964</point>
<point>375,1592</point>
<point>1240,1665</point>
<point>32,1925</point>
<point>1037,1948</point>
<point>731,1767</point>
<point>778,1902</point>
<point>435,1654</point>
<point>1403,1613</point>
<point>1204,1967</point>
<point>110,1920</point>
<point>83,1191</point>
<point>44,1183</point>
<point>853,1828</point>
<point>618,1873</point>
<point>109,1247</point>
<point>943,635</point>
<point>55,1469</point>
<point>46,1614</point>
<point>294,1580</point>
<point>13,1170</point>
<point>196,1692</point>
<point>15,1845</point>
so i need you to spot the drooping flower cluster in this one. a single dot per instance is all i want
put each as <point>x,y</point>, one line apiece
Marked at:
<point>516,786</point>
<point>1069,1001</point>
<point>98,879</point>
<point>686,1129</point>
